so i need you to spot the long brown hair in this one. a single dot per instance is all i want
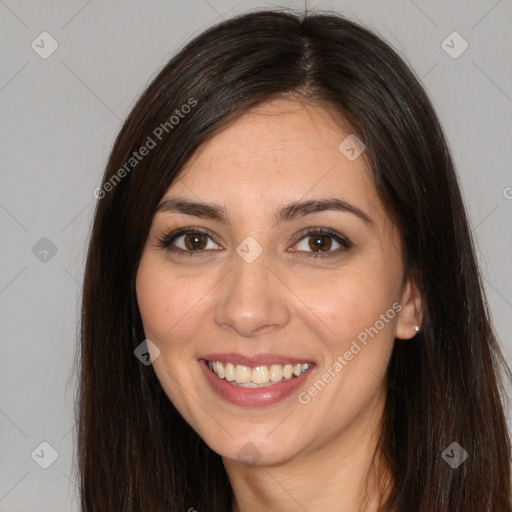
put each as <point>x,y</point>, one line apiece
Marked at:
<point>135,451</point>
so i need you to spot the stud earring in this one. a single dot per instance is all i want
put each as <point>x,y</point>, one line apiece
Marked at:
<point>415,327</point>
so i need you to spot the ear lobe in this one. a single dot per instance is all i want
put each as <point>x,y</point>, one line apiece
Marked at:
<point>411,313</point>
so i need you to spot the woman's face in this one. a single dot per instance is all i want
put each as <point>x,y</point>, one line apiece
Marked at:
<point>275,278</point>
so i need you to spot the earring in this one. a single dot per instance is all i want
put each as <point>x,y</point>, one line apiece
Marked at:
<point>415,327</point>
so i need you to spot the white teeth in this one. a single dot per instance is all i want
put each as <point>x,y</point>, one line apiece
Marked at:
<point>243,374</point>
<point>230,372</point>
<point>259,376</point>
<point>276,372</point>
<point>220,370</point>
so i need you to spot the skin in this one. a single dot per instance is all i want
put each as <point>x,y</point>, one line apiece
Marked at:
<point>315,455</point>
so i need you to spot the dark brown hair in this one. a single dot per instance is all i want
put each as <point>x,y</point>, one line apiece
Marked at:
<point>135,451</point>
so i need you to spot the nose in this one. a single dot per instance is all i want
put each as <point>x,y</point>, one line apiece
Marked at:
<point>253,300</point>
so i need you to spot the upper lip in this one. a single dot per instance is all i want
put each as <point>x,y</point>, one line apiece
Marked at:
<point>254,360</point>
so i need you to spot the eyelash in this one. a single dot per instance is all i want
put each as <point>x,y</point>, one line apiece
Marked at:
<point>166,240</point>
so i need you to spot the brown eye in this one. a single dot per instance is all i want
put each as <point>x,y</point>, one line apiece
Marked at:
<point>320,242</point>
<point>195,241</point>
<point>188,242</point>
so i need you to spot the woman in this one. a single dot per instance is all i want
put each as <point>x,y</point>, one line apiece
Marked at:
<point>282,308</point>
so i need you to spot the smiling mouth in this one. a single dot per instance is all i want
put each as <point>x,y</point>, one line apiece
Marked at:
<point>257,376</point>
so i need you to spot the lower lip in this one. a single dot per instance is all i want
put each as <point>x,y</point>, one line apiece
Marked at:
<point>253,396</point>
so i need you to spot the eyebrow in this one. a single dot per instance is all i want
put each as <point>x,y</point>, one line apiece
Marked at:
<point>284,214</point>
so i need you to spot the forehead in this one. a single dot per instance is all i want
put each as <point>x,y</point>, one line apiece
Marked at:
<point>278,152</point>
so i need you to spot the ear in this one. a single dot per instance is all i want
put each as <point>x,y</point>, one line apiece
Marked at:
<point>411,312</point>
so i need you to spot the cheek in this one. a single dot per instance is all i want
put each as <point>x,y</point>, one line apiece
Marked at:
<point>349,303</point>
<point>165,302</point>
<point>360,312</point>
<point>154,304</point>
<point>168,306</point>
<point>151,300</point>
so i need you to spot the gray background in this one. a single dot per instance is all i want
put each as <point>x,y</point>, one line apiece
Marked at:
<point>59,119</point>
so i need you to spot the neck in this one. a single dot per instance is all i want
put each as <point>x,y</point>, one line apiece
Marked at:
<point>340,476</point>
